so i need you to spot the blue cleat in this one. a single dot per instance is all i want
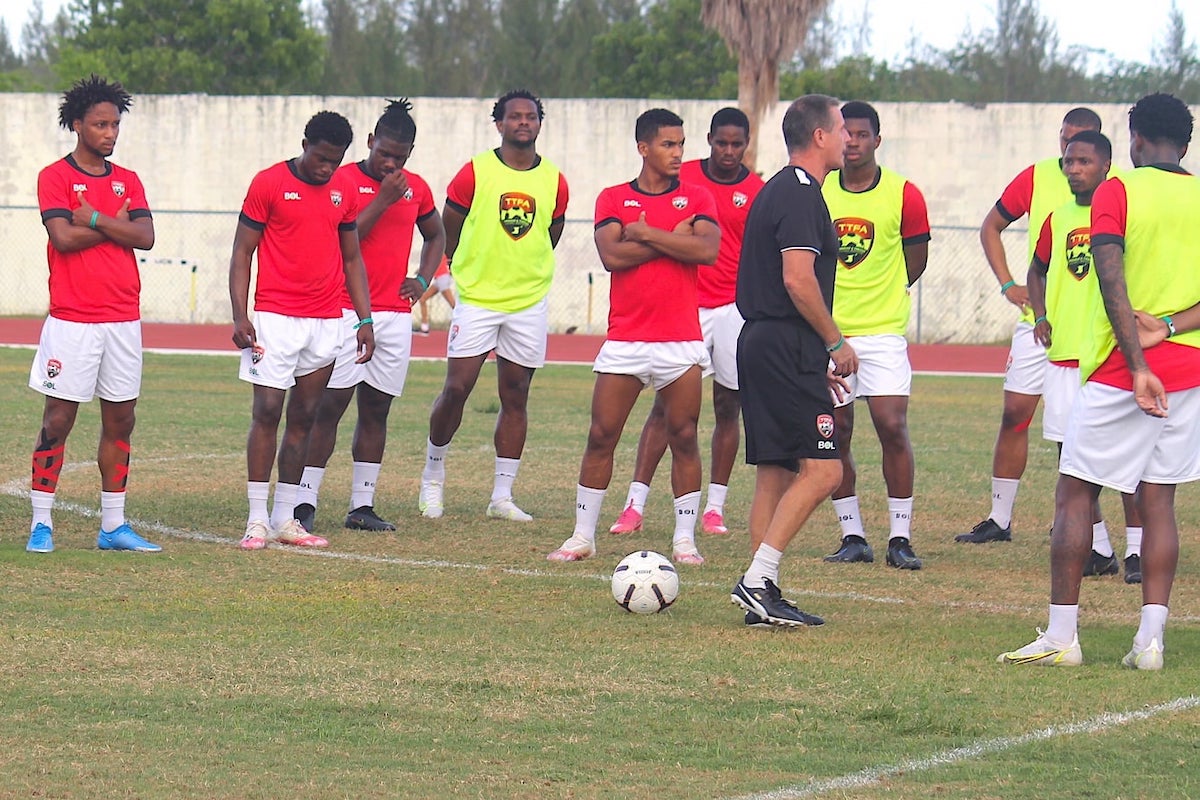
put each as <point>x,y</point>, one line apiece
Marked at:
<point>123,538</point>
<point>40,539</point>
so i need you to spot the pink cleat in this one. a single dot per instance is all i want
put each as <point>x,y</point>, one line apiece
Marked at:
<point>576,548</point>
<point>293,533</point>
<point>257,534</point>
<point>629,521</point>
<point>713,522</point>
<point>692,556</point>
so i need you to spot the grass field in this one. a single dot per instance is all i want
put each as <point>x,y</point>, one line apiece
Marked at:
<point>450,659</point>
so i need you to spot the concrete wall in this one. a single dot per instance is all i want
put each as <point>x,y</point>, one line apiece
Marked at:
<point>196,154</point>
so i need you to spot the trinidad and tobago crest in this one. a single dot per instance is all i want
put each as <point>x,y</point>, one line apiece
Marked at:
<point>1079,252</point>
<point>53,368</point>
<point>335,197</point>
<point>855,237</point>
<point>825,425</point>
<point>118,188</point>
<point>517,211</point>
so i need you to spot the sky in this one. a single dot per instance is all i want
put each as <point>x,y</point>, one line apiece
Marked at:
<point>1107,25</point>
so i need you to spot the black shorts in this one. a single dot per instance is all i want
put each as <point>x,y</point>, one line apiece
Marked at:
<point>786,406</point>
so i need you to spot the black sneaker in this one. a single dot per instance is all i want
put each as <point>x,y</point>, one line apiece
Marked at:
<point>1133,569</point>
<point>306,514</point>
<point>854,548</point>
<point>1101,565</point>
<point>768,604</point>
<point>755,621</point>
<point>986,531</point>
<point>364,518</point>
<point>900,554</point>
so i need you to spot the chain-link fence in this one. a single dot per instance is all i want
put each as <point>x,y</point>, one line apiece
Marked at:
<point>185,278</point>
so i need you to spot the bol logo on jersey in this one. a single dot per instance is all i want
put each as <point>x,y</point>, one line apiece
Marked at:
<point>855,238</point>
<point>53,368</point>
<point>1079,252</point>
<point>118,188</point>
<point>825,425</point>
<point>517,211</point>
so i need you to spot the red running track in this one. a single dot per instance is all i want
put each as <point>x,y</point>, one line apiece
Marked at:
<point>562,348</point>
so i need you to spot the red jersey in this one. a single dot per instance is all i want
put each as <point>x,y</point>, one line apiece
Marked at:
<point>101,282</point>
<point>717,285</point>
<point>655,301</point>
<point>300,255</point>
<point>385,249</point>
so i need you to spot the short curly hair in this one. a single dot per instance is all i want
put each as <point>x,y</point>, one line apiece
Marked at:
<point>1162,117</point>
<point>517,94</point>
<point>88,92</point>
<point>330,127</point>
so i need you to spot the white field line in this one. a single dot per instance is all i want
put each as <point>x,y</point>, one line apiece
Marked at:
<point>873,775</point>
<point>18,487</point>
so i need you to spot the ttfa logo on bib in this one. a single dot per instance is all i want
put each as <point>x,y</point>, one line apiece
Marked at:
<point>517,211</point>
<point>855,237</point>
<point>1079,252</point>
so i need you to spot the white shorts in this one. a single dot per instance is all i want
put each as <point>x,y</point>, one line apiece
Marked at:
<point>1059,392</point>
<point>443,282</point>
<point>1111,442</point>
<point>388,368</point>
<point>656,364</point>
<point>1026,368</point>
<point>519,336</point>
<point>720,327</point>
<point>77,361</point>
<point>883,367</point>
<point>288,348</point>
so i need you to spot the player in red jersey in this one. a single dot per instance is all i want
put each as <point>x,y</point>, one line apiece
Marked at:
<point>734,188</point>
<point>651,234</point>
<point>300,216</point>
<point>396,202</point>
<point>96,215</point>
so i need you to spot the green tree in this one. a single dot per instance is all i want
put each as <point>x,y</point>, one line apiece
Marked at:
<point>365,51</point>
<point>449,43</point>
<point>665,52</point>
<point>214,46</point>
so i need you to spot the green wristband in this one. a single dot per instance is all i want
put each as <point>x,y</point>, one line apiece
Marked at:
<point>1007,286</point>
<point>833,348</point>
<point>363,321</point>
<point>424,283</point>
<point>92,222</point>
<point>1042,318</point>
<point>1170,325</point>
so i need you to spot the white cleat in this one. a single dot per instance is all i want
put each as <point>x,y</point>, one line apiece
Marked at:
<point>257,534</point>
<point>1044,653</point>
<point>507,509</point>
<point>687,555</point>
<point>576,548</point>
<point>1151,657</point>
<point>430,501</point>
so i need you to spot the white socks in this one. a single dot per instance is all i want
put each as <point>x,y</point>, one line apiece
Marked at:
<point>43,503</point>
<point>849,517</point>
<point>687,508</point>
<point>1154,621</point>
<point>1100,542</point>
<point>716,498</point>
<point>362,484</point>
<point>506,473</point>
<point>638,492</point>
<point>900,514</point>
<point>764,566</point>
<point>310,486</point>
<point>587,511</point>
<point>1064,621</point>
<point>435,462</point>
<point>112,510</point>
<point>1133,542</point>
<point>284,507</point>
<point>1004,497</point>
<point>257,492</point>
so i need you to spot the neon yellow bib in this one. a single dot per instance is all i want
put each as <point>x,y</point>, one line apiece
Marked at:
<point>1050,190</point>
<point>1071,286</point>
<point>504,260</point>
<point>871,293</point>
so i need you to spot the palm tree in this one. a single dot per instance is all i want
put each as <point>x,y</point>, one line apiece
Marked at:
<point>761,33</point>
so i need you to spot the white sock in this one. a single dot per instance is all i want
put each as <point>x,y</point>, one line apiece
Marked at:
<point>43,504</point>
<point>284,507</point>
<point>587,510</point>
<point>1100,542</point>
<point>1133,542</point>
<point>1154,622</point>
<point>687,508</point>
<point>257,492</point>
<point>716,498</point>
<point>849,517</point>
<point>435,462</point>
<point>764,566</point>
<point>638,492</point>
<point>1064,622</point>
<point>900,512</point>
<point>1004,497</point>
<point>362,484</point>
<point>112,510</point>
<point>310,486</point>
<point>506,473</point>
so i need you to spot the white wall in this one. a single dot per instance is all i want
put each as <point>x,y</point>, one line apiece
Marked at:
<point>197,153</point>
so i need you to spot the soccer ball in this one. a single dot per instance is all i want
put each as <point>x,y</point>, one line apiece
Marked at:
<point>645,582</point>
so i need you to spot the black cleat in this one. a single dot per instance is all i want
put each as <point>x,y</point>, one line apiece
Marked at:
<point>768,604</point>
<point>1101,565</point>
<point>364,518</point>
<point>900,554</point>
<point>755,621</point>
<point>854,548</point>
<point>306,515</point>
<point>986,531</point>
<point>1133,569</point>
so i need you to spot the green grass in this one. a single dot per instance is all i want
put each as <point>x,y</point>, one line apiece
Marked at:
<point>452,660</point>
